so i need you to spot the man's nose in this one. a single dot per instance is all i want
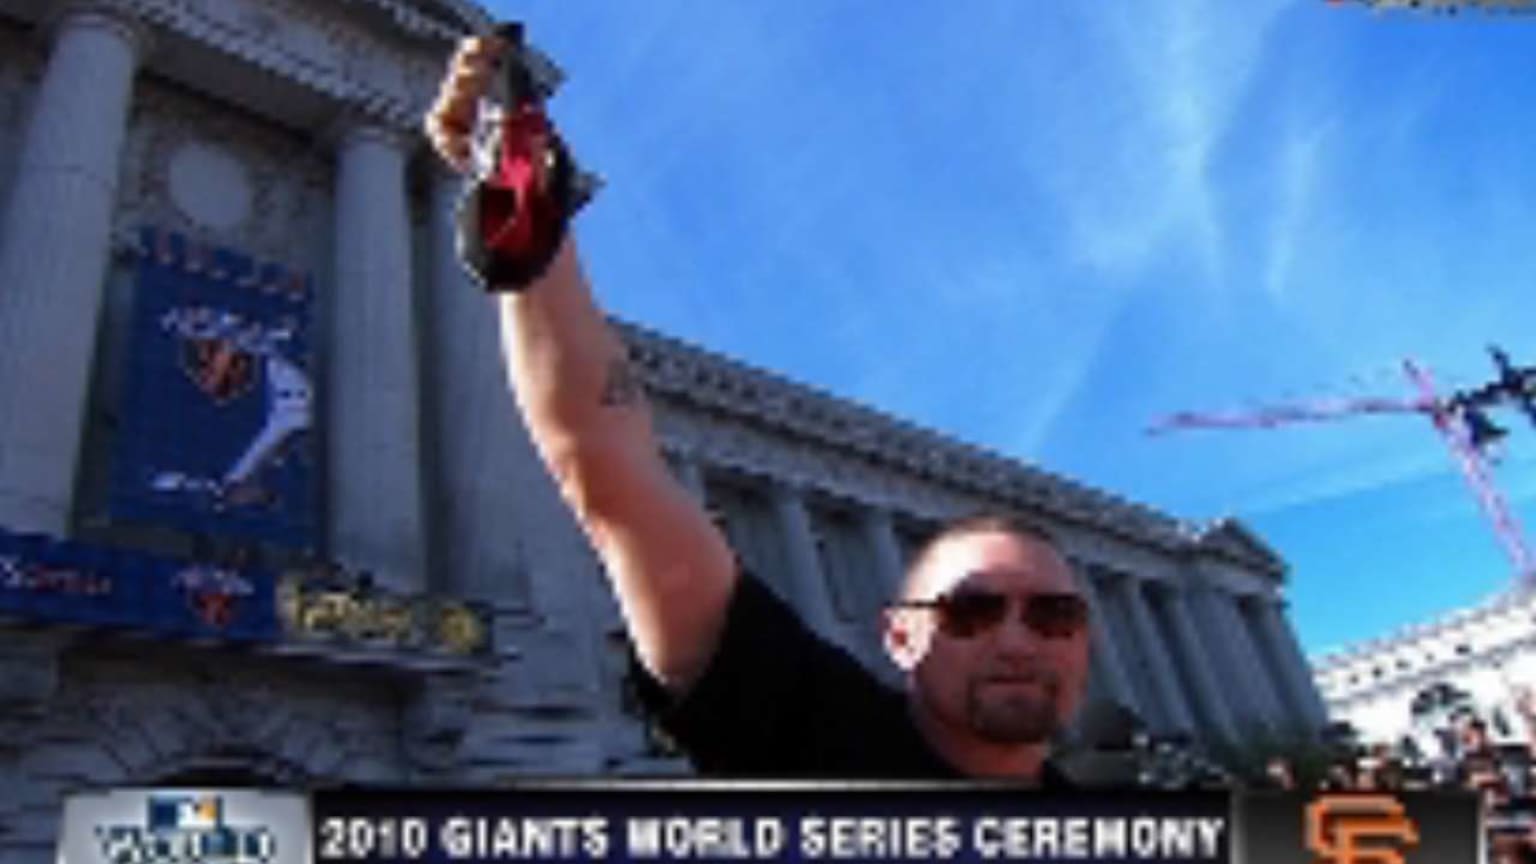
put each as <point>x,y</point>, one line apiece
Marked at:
<point>1014,636</point>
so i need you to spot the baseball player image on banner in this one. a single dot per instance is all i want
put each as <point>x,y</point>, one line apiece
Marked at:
<point>218,407</point>
<point>186,826</point>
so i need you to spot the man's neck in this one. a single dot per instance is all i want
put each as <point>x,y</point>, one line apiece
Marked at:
<point>972,756</point>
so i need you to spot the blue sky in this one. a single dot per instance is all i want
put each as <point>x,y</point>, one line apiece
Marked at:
<point>1038,227</point>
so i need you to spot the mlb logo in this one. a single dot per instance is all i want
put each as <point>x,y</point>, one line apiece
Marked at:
<point>185,812</point>
<point>185,826</point>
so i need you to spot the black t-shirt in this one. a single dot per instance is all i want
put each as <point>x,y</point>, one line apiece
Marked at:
<point>779,701</point>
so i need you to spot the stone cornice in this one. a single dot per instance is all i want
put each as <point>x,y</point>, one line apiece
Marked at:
<point>690,375</point>
<point>1457,622</point>
<point>320,47</point>
<point>409,18</point>
<point>1396,681</point>
<point>105,13</point>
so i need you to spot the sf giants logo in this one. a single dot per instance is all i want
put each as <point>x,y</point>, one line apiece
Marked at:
<point>1359,829</point>
<point>218,368</point>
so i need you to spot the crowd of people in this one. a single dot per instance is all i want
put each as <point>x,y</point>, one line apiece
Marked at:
<point>1503,774</point>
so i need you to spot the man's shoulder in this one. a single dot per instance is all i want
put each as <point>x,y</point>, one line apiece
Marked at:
<point>778,699</point>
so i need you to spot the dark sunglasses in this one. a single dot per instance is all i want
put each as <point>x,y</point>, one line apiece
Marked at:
<point>970,612</point>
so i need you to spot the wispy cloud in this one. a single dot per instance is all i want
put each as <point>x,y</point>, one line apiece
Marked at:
<point>1171,76</point>
<point>1298,171</point>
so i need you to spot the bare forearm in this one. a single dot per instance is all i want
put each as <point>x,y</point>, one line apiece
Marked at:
<point>584,407</point>
<point>580,396</point>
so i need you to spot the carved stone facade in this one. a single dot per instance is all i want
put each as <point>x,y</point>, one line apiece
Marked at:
<point>287,129</point>
<point>207,170</point>
<point>1487,653</point>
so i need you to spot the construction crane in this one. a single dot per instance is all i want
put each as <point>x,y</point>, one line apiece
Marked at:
<point>1461,419</point>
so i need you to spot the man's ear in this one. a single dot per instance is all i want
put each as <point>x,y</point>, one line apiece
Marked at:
<point>907,637</point>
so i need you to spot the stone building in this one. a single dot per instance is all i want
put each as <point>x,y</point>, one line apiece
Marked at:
<point>286,131</point>
<point>1404,686</point>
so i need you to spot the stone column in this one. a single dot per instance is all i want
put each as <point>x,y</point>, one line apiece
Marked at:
<point>375,490</point>
<point>1239,671</point>
<point>1105,647</point>
<point>1297,672</point>
<point>55,245</point>
<point>880,534</point>
<point>1165,677</point>
<point>804,577</point>
<point>1264,684</point>
<point>507,537</point>
<point>1207,683</point>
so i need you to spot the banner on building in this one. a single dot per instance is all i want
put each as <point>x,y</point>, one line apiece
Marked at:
<point>197,600</point>
<point>43,579</point>
<point>57,581</point>
<point>215,430</point>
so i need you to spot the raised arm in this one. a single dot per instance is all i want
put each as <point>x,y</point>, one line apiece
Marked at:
<point>585,408</point>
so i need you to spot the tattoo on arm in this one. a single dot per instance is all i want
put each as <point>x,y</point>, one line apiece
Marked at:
<point>622,388</point>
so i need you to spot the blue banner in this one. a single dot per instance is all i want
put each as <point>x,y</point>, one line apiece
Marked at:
<point>42,579</point>
<point>216,427</point>
<point>65,582</point>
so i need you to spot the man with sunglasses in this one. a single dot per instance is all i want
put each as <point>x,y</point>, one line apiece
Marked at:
<point>988,629</point>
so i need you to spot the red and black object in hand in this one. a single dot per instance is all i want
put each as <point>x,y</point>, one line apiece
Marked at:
<point>513,221</point>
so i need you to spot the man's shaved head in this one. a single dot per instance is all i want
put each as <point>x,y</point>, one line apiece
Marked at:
<point>987,522</point>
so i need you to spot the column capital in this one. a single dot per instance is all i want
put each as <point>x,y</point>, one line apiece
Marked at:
<point>787,487</point>
<point>355,131</point>
<point>351,128</point>
<point>114,16</point>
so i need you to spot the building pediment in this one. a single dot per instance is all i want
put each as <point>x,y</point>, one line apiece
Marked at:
<point>1230,538</point>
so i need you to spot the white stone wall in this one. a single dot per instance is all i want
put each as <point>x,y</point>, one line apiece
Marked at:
<point>1488,651</point>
